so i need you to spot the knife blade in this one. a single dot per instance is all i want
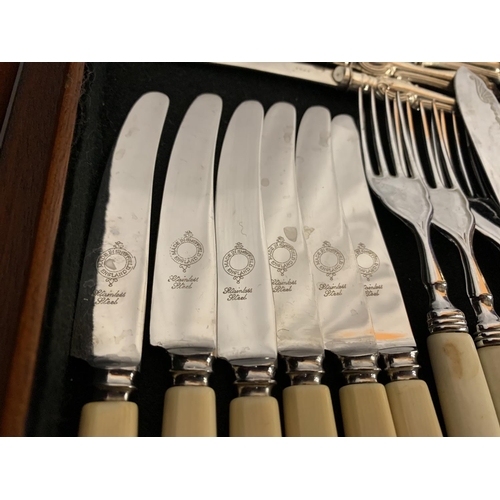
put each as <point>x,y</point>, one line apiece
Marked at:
<point>183,308</point>
<point>481,113</point>
<point>246,326</point>
<point>109,319</point>
<point>308,408</point>
<point>411,404</point>
<point>344,319</point>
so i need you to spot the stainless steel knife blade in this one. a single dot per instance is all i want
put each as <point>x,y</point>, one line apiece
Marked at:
<point>411,404</point>
<point>481,112</point>
<point>307,405</point>
<point>246,326</point>
<point>183,309</point>
<point>344,319</point>
<point>109,319</point>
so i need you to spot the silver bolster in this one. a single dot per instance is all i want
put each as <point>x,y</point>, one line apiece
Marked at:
<point>255,380</point>
<point>305,370</point>
<point>360,369</point>
<point>114,384</point>
<point>192,369</point>
<point>401,365</point>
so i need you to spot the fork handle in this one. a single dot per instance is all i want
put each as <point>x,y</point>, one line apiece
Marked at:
<point>412,409</point>
<point>490,361</point>
<point>464,396</point>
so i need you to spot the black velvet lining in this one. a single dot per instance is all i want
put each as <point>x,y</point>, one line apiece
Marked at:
<point>63,384</point>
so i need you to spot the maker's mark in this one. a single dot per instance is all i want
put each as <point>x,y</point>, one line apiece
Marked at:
<point>186,251</point>
<point>322,257</point>
<point>115,263</point>
<point>238,262</point>
<point>361,253</point>
<point>280,265</point>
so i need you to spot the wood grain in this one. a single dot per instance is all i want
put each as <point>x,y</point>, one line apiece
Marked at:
<point>8,72</point>
<point>33,167</point>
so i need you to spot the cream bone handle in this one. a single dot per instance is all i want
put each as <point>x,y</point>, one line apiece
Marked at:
<point>363,401</point>
<point>464,396</point>
<point>189,409</point>
<point>412,409</point>
<point>113,415</point>
<point>109,419</point>
<point>307,405</point>
<point>308,411</point>
<point>490,361</point>
<point>411,404</point>
<point>255,413</point>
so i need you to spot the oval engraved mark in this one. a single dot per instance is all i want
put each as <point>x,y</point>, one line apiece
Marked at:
<point>281,246</point>
<point>368,261</point>
<point>115,263</point>
<point>186,251</point>
<point>238,262</point>
<point>322,259</point>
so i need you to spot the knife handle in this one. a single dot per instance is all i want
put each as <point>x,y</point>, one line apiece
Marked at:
<point>490,361</point>
<point>308,411</point>
<point>109,419</point>
<point>189,411</point>
<point>412,409</point>
<point>464,396</point>
<point>254,416</point>
<point>366,411</point>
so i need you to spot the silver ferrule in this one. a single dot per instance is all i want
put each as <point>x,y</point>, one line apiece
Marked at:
<point>446,321</point>
<point>255,380</point>
<point>305,370</point>
<point>488,323</point>
<point>360,369</point>
<point>191,369</point>
<point>401,365</point>
<point>116,384</point>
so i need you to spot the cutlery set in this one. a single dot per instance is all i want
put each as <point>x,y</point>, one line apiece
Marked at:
<point>283,254</point>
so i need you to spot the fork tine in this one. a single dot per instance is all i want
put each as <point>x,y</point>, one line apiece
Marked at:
<point>430,149</point>
<point>384,170</point>
<point>395,150</point>
<point>461,163</point>
<point>409,139</point>
<point>369,172</point>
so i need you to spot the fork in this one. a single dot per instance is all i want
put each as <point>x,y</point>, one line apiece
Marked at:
<point>462,389</point>
<point>454,218</point>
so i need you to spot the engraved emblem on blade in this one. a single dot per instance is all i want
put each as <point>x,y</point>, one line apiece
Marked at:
<point>186,251</point>
<point>486,96</point>
<point>238,262</point>
<point>368,261</point>
<point>328,260</point>
<point>115,263</point>
<point>281,247</point>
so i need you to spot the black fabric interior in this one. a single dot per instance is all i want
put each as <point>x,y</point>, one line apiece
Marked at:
<point>63,384</point>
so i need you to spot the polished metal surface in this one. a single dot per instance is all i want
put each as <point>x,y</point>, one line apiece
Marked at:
<point>246,325</point>
<point>407,197</point>
<point>191,369</point>
<point>183,309</point>
<point>255,380</point>
<point>293,287</point>
<point>304,370</point>
<point>343,314</point>
<point>383,296</point>
<point>360,369</point>
<point>114,384</point>
<point>453,217</point>
<point>109,320</point>
<point>481,112</point>
<point>401,365</point>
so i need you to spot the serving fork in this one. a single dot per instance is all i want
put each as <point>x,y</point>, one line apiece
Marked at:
<point>463,392</point>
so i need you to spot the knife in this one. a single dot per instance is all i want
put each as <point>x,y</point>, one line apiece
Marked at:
<point>410,400</point>
<point>481,112</point>
<point>308,409</point>
<point>246,326</point>
<point>344,319</point>
<point>109,320</point>
<point>184,285</point>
